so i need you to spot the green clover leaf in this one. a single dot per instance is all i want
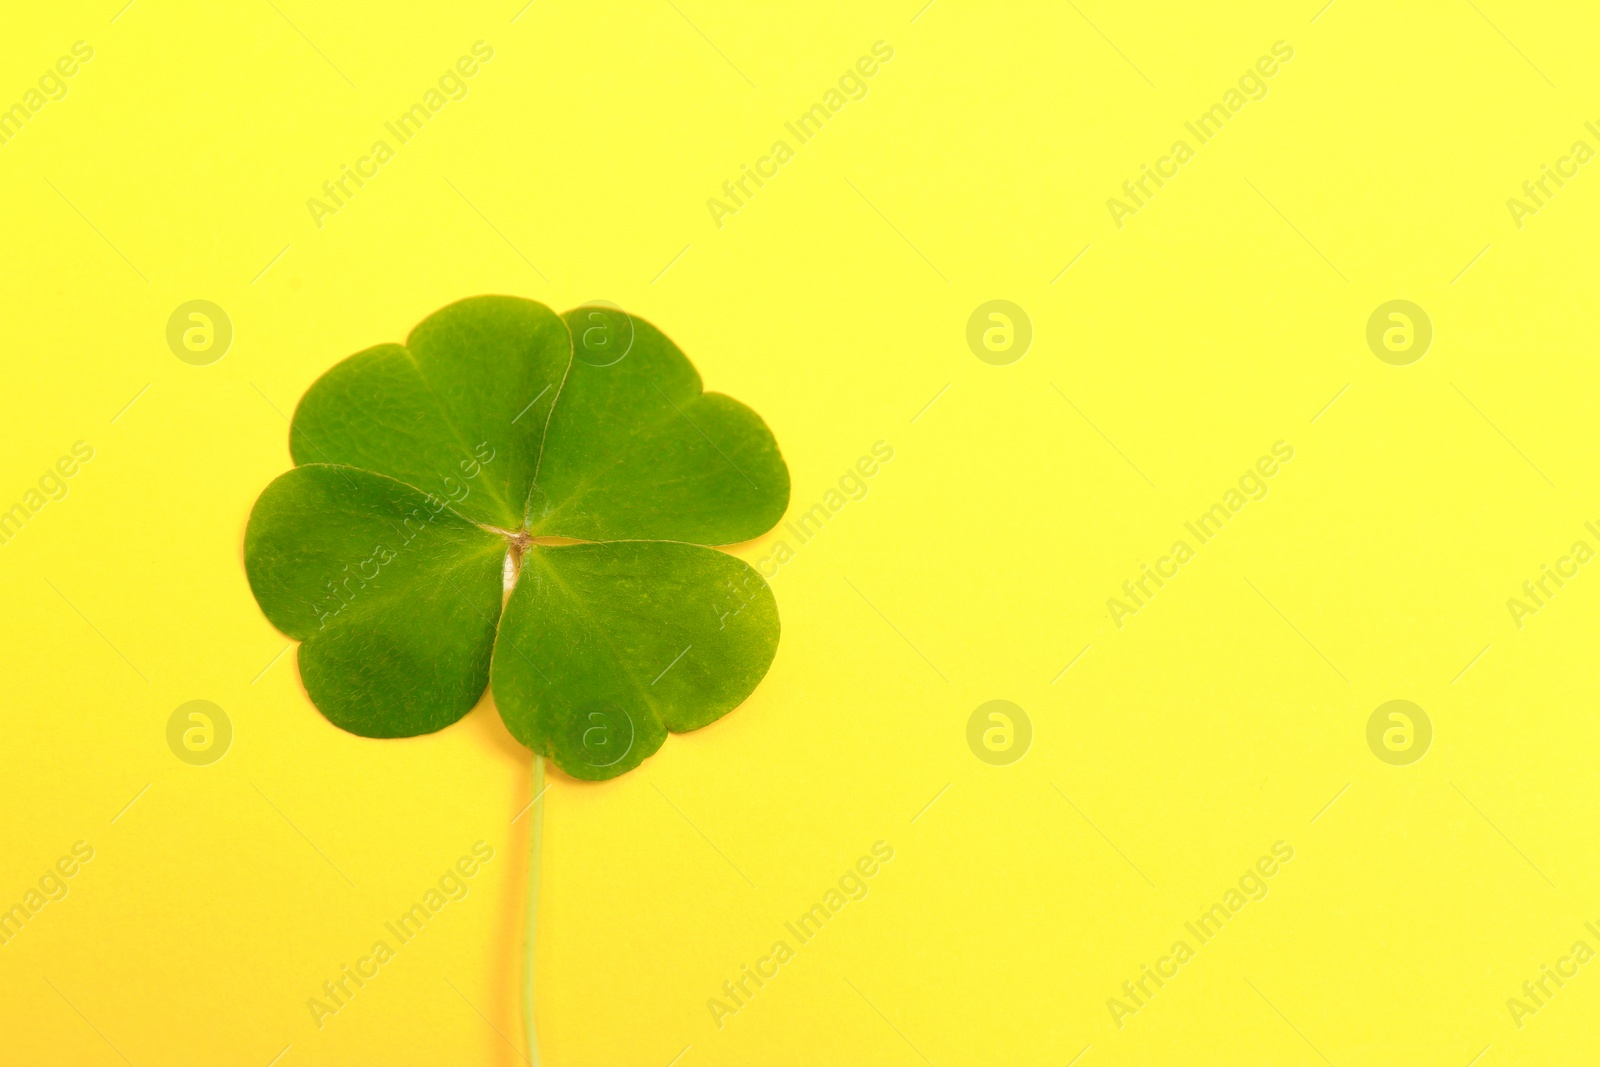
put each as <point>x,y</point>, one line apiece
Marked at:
<point>574,461</point>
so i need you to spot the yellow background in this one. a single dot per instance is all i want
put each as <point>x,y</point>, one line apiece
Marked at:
<point>1223,717</point>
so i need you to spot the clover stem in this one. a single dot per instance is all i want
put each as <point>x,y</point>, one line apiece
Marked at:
<point>513,566</point>
<point>535,836</point>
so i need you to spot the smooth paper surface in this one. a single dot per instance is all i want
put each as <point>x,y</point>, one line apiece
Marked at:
<point>1189,584</point>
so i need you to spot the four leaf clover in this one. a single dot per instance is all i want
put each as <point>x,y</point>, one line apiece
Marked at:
<point>523,500</point>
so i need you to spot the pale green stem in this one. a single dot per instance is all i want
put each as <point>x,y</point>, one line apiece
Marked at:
<point>536,834</point>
